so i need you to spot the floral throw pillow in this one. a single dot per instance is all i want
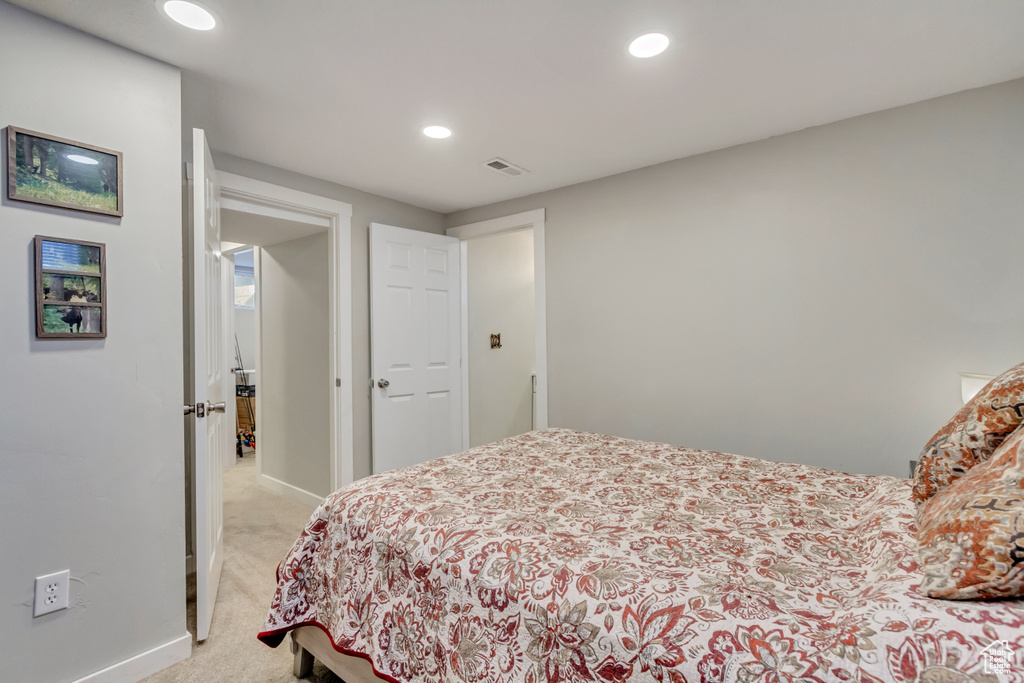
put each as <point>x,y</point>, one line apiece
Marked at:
<point>972,435</point>
<point>971,534</point>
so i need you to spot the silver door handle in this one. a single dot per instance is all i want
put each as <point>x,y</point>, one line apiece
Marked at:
<point>383,383</point>
<point>216,407</point>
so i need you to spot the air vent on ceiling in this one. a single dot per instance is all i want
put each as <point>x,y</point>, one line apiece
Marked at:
<point>504,167</point>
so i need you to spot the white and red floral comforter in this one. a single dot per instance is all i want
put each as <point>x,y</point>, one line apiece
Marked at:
<point>564,556</point>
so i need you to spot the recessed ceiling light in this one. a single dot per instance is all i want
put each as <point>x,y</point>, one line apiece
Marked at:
<point>190,14</point>
<point>81,159</point>
<point>648,45</point>
<point>437,132</point>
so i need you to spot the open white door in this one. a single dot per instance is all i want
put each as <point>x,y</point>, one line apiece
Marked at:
<point>213,434</point>
<point>415,346</point>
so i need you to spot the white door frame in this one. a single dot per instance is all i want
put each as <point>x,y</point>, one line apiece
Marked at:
<point>257,197</point>
<point>231,411</point>
<point>528,219</point>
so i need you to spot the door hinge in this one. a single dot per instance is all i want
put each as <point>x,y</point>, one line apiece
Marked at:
<point>337,382</point>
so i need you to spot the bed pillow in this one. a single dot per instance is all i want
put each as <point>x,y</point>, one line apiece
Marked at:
<point>971,534</point>
<point>972,435</point>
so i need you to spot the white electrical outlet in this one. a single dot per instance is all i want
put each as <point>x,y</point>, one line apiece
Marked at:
<point>51,593</point>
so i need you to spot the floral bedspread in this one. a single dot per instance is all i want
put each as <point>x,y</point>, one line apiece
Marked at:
<point>565,556</point>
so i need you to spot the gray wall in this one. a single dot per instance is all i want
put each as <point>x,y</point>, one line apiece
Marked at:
<point>809,297</point>
<point>91,473</point>
<point>366,208</point>
<point>499,278</point>
<point>295,441</point>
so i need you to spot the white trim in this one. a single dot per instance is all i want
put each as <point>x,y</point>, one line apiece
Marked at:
<point>257,304</point>
<point>229,457</point>
<point>255,196</point>
<point>257,193</point>
<point>528,219</point>
<point>342,467</point>
<point>271,212</point>
<point>464,351</point>
<point>541,311</point>
<point>144,664</point>
<point>289,491</point>
<point>495,225</point>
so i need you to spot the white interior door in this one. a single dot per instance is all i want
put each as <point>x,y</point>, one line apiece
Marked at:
<point>415,346</point>
<point>213,433</point>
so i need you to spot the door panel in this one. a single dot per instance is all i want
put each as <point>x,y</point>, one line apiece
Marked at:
<point>210,376</point>
<point>415,330</point>
<point>439,341</point>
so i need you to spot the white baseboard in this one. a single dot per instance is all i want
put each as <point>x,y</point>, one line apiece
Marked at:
<point>145,664</point>
<point>289,491</point>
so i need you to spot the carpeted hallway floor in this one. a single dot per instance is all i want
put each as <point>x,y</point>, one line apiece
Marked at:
<point>259,528</point>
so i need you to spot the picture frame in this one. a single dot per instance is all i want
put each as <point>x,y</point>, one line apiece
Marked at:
<point>45,169</point>
<point>71,289</point>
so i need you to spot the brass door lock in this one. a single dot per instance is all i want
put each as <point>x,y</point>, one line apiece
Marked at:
<point>496,341</point>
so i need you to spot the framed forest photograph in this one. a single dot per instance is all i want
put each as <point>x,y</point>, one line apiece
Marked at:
<point>71,289</point>
<point>44,169</point>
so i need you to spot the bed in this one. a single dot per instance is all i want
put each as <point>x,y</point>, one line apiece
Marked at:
<point>566,556</point>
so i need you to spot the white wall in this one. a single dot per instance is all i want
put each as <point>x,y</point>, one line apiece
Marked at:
<point>245,330</point>
<point>500,286</point>
<point>294,438</point>
<point>91,473</point>
<point>366,208</point>
<point>809,297</point>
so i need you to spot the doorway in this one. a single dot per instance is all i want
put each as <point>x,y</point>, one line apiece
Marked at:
<point>412,314</point>
<point>223,192</point>
<point>265,206</point>
<point>500,321</point>
<point>290,349</point>
<point>503,383</point>
<point>242,343</point>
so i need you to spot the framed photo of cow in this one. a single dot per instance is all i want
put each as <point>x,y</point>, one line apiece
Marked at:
<point>71,289</point>
<point>45,169</point>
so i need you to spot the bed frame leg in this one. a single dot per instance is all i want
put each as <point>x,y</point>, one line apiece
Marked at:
<point>303,663</point>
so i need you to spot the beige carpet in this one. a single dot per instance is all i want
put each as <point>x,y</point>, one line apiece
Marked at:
<point>259,528</point>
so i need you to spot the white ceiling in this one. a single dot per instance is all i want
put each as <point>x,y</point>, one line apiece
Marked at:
<point>244,258</point>
<point>339,89</point>
<point>250,228</point>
